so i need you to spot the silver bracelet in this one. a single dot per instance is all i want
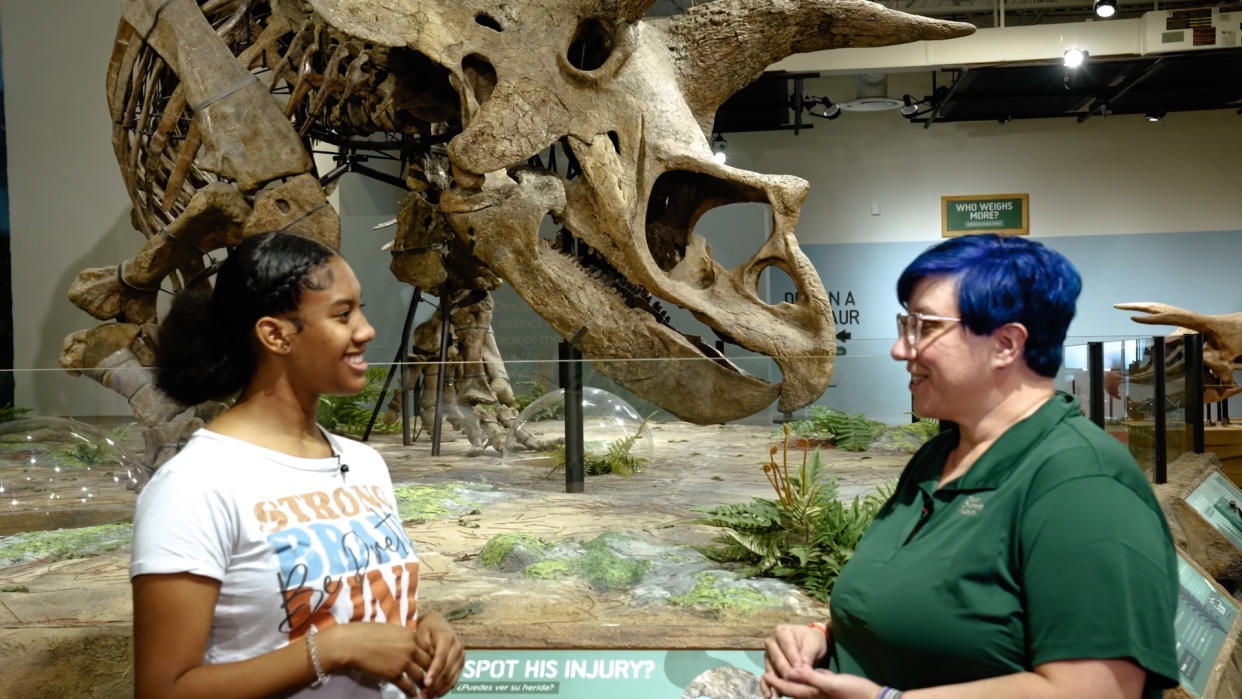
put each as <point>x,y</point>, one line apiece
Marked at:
<point>321,678</point>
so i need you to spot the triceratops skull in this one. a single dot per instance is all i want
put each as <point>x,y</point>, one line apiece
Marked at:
<point>215,102</point>
<point>634,101</point>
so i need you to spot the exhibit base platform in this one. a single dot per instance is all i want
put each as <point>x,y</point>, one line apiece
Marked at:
<point>1225,441</point>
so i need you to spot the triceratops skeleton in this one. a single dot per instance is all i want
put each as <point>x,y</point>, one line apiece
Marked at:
<point>216,104</point>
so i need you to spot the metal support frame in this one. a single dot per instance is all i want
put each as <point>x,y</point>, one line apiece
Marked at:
<point>398,362</point>
<point>1158,412</point>
<point>1100,104</point>
<point>571,382</point>
<point>1095,382</point>
<point>437,421</point>
<point>1193,345</point>
<point>935,112</point>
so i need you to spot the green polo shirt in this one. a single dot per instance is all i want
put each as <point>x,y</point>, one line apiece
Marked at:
<point>1051,547</point>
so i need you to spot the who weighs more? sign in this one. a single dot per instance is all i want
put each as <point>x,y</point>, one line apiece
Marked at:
<point>1008,214</point>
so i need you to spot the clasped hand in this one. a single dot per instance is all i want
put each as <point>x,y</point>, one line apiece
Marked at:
<point>789,661</point>
<point>421,663</point>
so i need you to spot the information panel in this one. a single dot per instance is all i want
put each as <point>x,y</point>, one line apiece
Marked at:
<point>1220,503</point>
<point>610,674</point>
<point>985,213</point>
<point>1204,616</point>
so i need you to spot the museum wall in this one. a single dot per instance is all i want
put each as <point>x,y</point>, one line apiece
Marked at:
<point>1169,187</point>
<point>1088,183</point>
<point>1119,175</point>
<point>68,207</point>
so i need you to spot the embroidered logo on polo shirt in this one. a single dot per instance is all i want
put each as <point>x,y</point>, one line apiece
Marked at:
<point>972,506</point>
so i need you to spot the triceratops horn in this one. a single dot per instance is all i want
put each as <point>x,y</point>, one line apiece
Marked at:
<point>1164,314</point>
<point>720,47</point>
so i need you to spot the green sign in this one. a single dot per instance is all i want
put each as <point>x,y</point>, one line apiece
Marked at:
<point>610,674</point>
<point>1204,616</point>
<point>985,213</point>
<point>1220,503</point>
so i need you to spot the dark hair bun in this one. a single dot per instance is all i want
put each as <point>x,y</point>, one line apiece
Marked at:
<point>195,361</point>
<point>206,342</point>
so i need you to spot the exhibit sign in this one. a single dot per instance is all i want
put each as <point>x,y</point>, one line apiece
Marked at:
<point>1009,214</point>
<point>610,674</point>
<point>1219,502</point>
<point>1204,616</point>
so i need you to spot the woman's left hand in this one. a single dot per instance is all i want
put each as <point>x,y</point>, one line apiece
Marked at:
<point>802,682</point>
<point>436,637</point>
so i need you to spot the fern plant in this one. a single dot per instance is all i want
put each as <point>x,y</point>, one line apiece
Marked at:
<point>849,431</point>
<point>617,458</point>
<point>532,388</point>
<point>9,413</point>
<point>90,454</point>
<point>349,415</point>
<point>925,427</point>
<point>804,536</point>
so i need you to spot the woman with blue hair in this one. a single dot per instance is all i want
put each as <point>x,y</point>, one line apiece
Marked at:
<point>1023,553</point>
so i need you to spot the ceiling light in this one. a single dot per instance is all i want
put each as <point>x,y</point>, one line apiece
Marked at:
<point>1105,8</point>
<point>824,108</point>
<point>1074,57</point>
<point>1155,116</point>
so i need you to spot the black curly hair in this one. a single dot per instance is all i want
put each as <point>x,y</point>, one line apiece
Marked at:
<point>206,341</point>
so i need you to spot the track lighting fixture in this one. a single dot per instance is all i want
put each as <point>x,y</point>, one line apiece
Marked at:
<point>821,107</point>
<point>1105,8</point>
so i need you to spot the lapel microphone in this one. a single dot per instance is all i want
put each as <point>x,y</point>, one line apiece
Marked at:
<point>344,467</point>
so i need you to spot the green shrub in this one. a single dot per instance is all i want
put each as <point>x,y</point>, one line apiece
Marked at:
<point>349,415</point>
<point>9,412</point>
<point>805,536</point>
<point>90,454</point>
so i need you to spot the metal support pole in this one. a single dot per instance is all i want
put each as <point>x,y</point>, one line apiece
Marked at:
<point>575,470</point>
<point>1194,390</point>
<point>1158,436</point>
<point>398,361</point>
<point>1095,382</point>
<point>445,324</point>
<point>409,401</point>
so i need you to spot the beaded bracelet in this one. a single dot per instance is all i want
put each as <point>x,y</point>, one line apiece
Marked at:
<point>321,678</point>
<point>888,693</point>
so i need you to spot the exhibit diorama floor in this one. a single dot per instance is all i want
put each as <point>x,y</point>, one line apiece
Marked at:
<point>66,623</point>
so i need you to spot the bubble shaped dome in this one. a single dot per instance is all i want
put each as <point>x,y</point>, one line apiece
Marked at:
<point>59,473</point>
<point>606,420</point>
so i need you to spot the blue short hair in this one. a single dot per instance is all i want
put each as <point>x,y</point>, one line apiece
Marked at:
<point>1003,279</point>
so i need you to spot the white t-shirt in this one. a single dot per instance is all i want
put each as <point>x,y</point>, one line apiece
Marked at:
<point>294,542</point>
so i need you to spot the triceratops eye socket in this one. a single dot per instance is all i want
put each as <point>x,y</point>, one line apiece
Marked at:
<point>592,45</point>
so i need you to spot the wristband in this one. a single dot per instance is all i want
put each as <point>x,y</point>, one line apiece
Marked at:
<point>888,693</point>
<point>822,629</point>
<point>321,678</point>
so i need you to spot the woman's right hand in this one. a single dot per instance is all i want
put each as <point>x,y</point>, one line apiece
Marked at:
<point>790,647</point>
<point>386,652</point>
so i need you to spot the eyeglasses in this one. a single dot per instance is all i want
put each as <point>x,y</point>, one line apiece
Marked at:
<point>911,327</point>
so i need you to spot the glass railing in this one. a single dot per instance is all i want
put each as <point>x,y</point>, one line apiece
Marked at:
<point>1136,405</point>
